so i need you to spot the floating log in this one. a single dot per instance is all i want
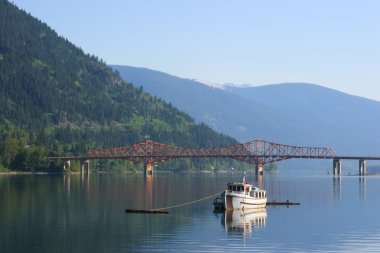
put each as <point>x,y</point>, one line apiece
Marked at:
<point>287,203</point>
<point>146,211</point>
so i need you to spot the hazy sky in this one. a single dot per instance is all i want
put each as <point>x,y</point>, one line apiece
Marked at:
<point>333,43</point>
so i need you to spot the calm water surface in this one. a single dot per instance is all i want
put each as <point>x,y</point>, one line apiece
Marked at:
<point>71,213</point>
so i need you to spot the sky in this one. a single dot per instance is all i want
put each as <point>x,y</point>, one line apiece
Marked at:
<point>335,44</point>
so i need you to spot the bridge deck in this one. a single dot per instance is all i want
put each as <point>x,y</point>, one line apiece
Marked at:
<point>210,156</point>
<point>255,152</point>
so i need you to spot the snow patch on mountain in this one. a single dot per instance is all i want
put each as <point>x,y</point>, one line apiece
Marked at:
<point>210,84</point>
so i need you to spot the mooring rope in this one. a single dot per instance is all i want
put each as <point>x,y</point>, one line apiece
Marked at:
<point>188,203</point>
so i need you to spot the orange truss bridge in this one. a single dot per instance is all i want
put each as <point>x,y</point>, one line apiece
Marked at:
<point>258,152</point>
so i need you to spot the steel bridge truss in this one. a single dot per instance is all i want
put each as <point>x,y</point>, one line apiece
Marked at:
<point>254,152</point>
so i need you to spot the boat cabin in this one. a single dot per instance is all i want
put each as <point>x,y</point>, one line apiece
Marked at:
<point>246,189</point>
<point>236,187</point>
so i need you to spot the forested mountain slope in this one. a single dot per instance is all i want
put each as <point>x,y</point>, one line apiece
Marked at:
<point>55,99</point>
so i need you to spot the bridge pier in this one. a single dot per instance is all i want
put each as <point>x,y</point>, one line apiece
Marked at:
<point>66,165</point>
<point>362,167</point>
<point>259,169</point>
<point>260,181</point>
<point>85,166</point>
<point>148,169</point>
<point>337,167</point>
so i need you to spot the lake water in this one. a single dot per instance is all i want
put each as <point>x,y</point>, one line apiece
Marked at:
<point>74,213</point>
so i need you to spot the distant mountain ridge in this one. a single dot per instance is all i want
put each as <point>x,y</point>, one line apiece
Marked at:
<point>212,106</point>
<point>291,113</point>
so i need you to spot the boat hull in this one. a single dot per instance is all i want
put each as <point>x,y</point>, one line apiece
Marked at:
<point>240,201</point>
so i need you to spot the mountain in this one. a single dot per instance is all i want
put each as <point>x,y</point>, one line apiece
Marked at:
<point>321,115</point>
<point>294,113</point>
<point>56,100</point>
<point>223,111</point>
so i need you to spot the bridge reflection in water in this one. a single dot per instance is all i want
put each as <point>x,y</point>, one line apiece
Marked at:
<point>338,185</point>
<point>362,188</point>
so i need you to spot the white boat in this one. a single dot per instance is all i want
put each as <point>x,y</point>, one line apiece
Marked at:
<point>244,196</point>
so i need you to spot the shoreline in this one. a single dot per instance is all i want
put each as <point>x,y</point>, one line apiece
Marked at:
<point>15,173</point>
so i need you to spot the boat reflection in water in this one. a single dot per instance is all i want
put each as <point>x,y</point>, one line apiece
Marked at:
<point>244,222</point>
